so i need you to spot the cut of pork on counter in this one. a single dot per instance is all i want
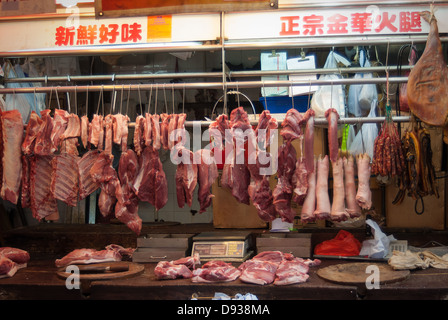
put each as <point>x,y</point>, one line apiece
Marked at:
<point>11,260</point>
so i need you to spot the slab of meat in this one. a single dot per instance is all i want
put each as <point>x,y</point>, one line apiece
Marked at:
<point>207,174</point>
<point>264,131</point>
<point>364,194</point>
<point>338,210</point>
<point>291,272</point>
<point>261,269</point>
<point>352,207</point>
<point>333,146</point>
<point>180,132</point>
<point>60,120</point>
<point>12,135</point>
<point>96,131</point>
<point>150,184</point>
<point>126,208</point>
<point>284,189</point>
<point>216,271</point>
<point>323,206</point>
<point>64,180</point>
<point>309,140</point>
<point>85,131</point>
<point>25,200</point>
<point>11,260</point>
<point>155,124</point>
<point>180,268</point>
<point>164,127</point>
<point>88,256</point>
<point>139,140</point>
<point>186,176</point>
<point>172,126</point>
<point>7,267</point>
<point>44,145</point>
<point>166,270</point>
<point>108,133</point>
<point>300,181</point>
<point>87,185</point>
<point>218,129</point>
<point>43,204</point>
<point>428,80</point>
<point>309,204</point>
<point>291,125</point>
<point>69,139</point>
<point>32,130</point>
<point>121,130</point>
<point>18,256</point>
<point>147,130</point>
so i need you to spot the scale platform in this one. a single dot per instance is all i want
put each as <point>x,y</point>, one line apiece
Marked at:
<point>230,246</point>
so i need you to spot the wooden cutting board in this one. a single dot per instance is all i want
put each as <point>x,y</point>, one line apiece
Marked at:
<point>133,270</point>
<point>355,273</point>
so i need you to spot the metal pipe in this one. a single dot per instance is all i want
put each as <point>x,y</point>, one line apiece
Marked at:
<point>317,121</point>
<point>323,42</point>
<point>205,85</point>
<point>232,74</point>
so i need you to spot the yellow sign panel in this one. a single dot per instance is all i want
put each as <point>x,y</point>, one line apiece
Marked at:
<point>159,28</point>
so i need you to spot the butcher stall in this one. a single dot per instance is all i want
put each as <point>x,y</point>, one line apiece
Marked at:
<point>223,150</point>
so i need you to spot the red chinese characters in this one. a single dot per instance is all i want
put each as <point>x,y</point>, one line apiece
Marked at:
<point>92,34</point>
<point>343,23</point>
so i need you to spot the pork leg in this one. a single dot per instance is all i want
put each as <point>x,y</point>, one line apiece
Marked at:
<point>338,212</point>
<point>323,207</point>
<point>309,204</point>
<point>364,194</point>
<point>352,207</point>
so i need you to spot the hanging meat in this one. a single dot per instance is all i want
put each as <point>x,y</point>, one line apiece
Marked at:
<point>427,89</point>
<point>96,131</point>
<point>60,120</point>
<point>388,157</point>
<point>309,204</point>
<point>139,141</point>
<point>120,130</point>
<point>333,146</point>
<point>12,135</point>
<point>85,131</point>
<point>323,206</point>
<point>126,207</point>
<point>87,185</point>
<point>364,194</point>
<point>186,176</point>
<point>69,138</point>
<point>261,164</point>
<point>43,144</point>
<point>338,211</point>
<point>32,131</point>
<point>65,178</point>
<point>352,207</point>
<point>207,174</point>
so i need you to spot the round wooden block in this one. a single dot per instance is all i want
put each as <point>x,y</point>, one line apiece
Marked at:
<point>134,269</point>
<point>357,273</point>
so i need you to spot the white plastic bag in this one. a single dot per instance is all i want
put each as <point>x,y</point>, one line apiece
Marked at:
<point>330,96</point>
<point>360,96</point>
<point>365,138</point>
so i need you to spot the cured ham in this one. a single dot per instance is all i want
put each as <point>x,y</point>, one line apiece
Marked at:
<point>428,80</point>
<point>323,206</point>
<point>12,135</point>
<point>207,174</point>
<point>64,178</point>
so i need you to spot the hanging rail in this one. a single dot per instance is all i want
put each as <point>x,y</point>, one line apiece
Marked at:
<point>203,85</point>
<point>231,74</point>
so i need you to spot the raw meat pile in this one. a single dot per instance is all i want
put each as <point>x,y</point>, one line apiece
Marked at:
<point>111,253</point>
<point>11,260</point>
<point>267,267</point>
<point>177,269</point>
<point>65,158</point>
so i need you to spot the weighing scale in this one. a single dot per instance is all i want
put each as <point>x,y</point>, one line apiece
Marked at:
<point>226,246</point>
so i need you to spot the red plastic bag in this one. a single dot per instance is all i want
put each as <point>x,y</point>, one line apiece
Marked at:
<point>344,244</point>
